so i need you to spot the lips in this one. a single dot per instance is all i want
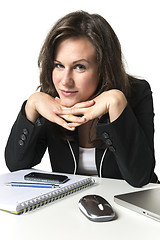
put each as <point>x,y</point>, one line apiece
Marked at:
<point>68,93</point>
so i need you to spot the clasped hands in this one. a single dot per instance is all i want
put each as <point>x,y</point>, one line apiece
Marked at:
<point>53,109</point>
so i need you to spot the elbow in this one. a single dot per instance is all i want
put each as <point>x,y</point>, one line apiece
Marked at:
<point>13,163</point>
<point>138,182</point>
<point>12,166</point>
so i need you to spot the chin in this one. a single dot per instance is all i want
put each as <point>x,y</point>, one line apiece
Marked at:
<point>68,103</point>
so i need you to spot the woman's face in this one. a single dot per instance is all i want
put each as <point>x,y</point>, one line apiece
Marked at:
<point>75,73</point>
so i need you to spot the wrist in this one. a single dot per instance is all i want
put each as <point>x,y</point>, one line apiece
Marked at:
<point>117,104</point>
<point>30,109</point>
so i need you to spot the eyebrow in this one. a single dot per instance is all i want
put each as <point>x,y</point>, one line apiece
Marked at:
<point>79,60</point>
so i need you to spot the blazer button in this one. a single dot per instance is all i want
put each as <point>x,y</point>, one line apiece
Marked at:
<point>105,135</point>
<point>20,142</point>
<point>108,142</point>
<point>112,149</point>
<point>23,137</point>
<point>38,122</point>
<point>25,131</point>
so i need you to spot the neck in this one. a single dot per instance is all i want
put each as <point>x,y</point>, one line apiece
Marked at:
<point>87,133</point>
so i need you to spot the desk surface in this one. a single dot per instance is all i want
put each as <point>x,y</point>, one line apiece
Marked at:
<point>63,219</point>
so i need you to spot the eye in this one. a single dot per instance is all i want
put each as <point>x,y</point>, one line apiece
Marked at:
<point>80,67</point>
<point>58,66</point>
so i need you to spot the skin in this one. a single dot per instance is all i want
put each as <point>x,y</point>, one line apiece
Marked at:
<point>75,77</point>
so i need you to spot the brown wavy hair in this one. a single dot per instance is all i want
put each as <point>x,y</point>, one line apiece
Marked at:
<point>112,74</point>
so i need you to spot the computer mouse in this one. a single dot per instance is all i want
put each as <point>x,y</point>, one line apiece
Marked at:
<point>96,208</point>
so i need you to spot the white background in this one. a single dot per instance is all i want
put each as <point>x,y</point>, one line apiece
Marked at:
<point>23,28</point>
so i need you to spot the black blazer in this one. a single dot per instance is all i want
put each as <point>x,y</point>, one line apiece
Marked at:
<point>129,142</point>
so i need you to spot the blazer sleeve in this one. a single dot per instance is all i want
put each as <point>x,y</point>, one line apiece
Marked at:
<point>26,144</point>
<point>130,137</point>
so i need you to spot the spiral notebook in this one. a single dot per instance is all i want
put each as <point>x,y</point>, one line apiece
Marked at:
<point>18,200</point>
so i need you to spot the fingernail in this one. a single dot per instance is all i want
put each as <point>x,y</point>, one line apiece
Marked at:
<point>83,118</point>
<point>71,128</point>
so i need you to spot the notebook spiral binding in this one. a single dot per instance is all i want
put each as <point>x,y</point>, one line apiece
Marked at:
<point>38,202</point>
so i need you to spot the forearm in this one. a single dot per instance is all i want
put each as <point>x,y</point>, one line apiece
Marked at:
<point>117,103</point>
<point>30,108</point>
<point>135,157</point>
<point>112,102</point>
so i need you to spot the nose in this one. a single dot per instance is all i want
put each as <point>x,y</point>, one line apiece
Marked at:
<point>67,78</point>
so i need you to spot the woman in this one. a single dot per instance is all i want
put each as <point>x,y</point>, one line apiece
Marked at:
<point>94,118</point>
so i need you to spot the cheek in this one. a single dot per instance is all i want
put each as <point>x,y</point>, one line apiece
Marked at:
<point>91,83</point>
<point>88,88</point>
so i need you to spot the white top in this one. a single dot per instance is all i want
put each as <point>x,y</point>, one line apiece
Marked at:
<point>87,165</point>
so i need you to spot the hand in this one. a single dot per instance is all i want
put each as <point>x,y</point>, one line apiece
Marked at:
<point>112,101</point>
<point>43,104</point>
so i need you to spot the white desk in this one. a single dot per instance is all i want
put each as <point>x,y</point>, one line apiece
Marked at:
<point>63,220</point>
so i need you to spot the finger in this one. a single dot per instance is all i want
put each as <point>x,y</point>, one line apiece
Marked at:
<point>74,125</point>
<point>57,99</point>
<point>76,109</point>
<point>74,119</point>
<point>60,121</point>
<point>84,104</point>
<point>70,111</point>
